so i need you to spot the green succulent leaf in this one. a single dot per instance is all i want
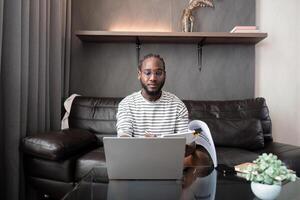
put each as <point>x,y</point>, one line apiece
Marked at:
<point>269,170</point>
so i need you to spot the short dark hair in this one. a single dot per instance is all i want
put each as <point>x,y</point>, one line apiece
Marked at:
<point>161,60</point>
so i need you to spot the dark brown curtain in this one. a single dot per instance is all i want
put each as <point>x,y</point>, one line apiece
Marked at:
<point>34,57</point>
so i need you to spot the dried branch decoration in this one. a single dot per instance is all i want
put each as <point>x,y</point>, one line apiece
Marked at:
<point>187,18</point>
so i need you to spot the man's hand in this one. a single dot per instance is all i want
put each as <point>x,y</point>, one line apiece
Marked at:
<point>148,134</point>
<point>124,135</point>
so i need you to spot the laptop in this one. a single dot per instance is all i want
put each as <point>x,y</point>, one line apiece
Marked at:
<point>144,158</point>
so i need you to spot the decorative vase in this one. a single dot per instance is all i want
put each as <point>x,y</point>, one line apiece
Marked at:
<point>187,21</point>
<point>264,191</point>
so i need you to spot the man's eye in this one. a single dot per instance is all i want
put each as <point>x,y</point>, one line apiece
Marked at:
<point>158,73</point>
<point>147,73</point>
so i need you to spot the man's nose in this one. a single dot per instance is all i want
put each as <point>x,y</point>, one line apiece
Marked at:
<point>153,76</point>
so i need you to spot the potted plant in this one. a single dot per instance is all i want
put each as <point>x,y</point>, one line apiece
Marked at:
<point>267,174</point>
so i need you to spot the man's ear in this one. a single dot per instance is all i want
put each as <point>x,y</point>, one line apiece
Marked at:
<point>139,74</point>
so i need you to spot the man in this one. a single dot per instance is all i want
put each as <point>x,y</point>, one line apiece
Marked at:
<point>151,111</point>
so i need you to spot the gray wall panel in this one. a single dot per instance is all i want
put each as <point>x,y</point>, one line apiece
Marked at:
<point>99,69</point>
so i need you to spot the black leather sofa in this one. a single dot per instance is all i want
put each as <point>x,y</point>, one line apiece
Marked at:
<point>55,161</point>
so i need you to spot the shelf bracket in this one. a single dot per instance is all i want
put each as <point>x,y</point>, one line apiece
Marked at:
<point>200,48</point>
<point>138,50</point>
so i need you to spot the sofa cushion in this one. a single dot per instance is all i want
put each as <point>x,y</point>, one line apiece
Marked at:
<point>92,160</point>
<point>245,134</point>
<point>234,156</point>
<point>59,145</point>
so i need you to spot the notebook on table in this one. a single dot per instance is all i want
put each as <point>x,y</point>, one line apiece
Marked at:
<point>144,158</point>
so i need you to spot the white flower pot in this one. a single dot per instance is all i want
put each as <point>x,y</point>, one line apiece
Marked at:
<point>264,191</point>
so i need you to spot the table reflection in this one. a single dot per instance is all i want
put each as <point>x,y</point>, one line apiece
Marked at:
<point>144,190</point>
<point>203,188</point>
<point>197,183</point>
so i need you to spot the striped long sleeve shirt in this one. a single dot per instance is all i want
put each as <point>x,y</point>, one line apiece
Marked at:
<point>136,115</point>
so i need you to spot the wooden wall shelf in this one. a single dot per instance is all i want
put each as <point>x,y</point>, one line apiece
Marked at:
<point>171,37</point>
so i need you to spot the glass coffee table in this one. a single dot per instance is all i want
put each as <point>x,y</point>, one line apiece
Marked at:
<point>203,183</point>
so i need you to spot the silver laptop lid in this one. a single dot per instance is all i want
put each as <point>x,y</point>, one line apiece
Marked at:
<point>144,158</point>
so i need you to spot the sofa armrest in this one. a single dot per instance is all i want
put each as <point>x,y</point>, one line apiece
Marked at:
<point>59,145</point>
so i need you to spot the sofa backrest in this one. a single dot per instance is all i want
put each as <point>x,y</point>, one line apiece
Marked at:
<point>98,115</point>
<point>235,110</point>
<point>94,114</point>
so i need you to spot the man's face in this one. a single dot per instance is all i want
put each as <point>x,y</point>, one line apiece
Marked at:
<point>152,76</point>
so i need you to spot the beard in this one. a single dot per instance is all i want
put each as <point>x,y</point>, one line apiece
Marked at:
<point>154,92</point>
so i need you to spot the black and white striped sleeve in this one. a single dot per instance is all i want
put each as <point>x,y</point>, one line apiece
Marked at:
<point>182,120</point>
<point>124,119</point>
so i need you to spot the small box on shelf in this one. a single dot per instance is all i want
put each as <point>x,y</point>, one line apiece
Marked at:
<point>245,29</point>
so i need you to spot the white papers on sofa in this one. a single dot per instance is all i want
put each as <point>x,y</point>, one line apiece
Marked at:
<point>67,104</point>
<point>204,138</point>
